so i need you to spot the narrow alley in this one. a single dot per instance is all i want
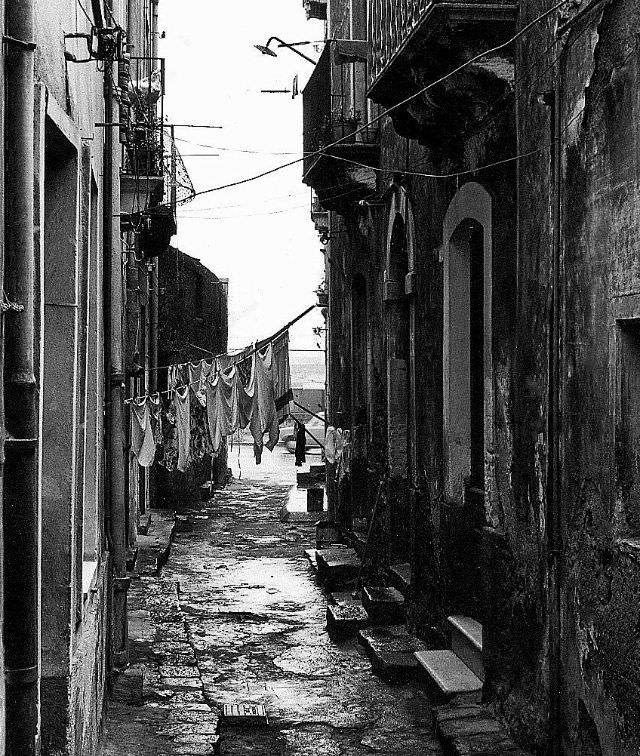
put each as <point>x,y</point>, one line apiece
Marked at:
<point>236,616</point>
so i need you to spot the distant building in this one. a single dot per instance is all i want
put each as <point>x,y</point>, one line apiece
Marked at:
<point>192,325</point>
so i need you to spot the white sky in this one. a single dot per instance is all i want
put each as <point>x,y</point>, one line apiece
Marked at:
<point>214,76</point>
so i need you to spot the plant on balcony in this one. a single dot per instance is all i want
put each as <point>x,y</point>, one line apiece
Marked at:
<point>323,294</point>
<point>343,124</point>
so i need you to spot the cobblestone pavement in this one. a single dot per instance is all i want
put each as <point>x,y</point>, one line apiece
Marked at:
<point>236,616</point>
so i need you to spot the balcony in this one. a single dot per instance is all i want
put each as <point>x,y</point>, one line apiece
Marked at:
<point>334,107</point>
<point>316,9</point>
<point>141,87</point>
<point>415,42</point>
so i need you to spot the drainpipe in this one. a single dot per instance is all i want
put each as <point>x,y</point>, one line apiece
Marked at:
<point>21,503</point>
<point>153,286</point>
<point>554,430</point>
<point>2,414</point>
<point>114,374</point>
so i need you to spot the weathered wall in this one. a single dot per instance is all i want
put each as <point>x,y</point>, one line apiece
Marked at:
<point>600,183</point>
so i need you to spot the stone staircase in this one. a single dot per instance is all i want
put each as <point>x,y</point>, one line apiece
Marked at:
<point>456,675</point>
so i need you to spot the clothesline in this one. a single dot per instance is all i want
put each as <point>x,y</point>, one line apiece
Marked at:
<point>242,354</point>
<point>225,398</point>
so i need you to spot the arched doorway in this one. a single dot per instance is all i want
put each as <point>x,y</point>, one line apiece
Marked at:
<point>467,343</point>
<point>400,330</point>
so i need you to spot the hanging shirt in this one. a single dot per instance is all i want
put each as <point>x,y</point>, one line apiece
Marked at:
<point>282,376</point>
<point>198,374</point>
<point>143,442</point>
<point>220,399</point>
<point>264,418</point>
<point>183,424</point>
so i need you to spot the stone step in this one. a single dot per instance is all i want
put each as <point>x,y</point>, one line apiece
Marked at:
<point>392,650</point>
<point>345,619</point>
<point>400,577</point>
<point>470,730</point>
<point>385,606</point>
<point>318,469</point>
<point>337,566</point>
<point>449,676</point>
<point>466,642</point>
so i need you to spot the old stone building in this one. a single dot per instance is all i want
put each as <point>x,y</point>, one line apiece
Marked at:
<point>192,325</point>
<point>83,172</point>
<point>482,344</point>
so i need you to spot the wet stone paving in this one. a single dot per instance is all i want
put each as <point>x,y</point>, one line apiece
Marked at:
<point>236,616</point>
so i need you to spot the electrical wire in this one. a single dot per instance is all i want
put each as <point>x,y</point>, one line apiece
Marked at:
<point>395,107</point>
<point>86,13</point>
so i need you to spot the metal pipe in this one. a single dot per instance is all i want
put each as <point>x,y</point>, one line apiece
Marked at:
<point>21,502</point>
<point>554,483</point>
<point>2,408</point>
<point>114,378</point>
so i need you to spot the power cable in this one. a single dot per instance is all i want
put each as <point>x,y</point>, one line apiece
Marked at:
<point>398,105</point>
<point>86,14</point>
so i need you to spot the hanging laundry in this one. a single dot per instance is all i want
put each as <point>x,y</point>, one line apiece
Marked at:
<point>198,374</point>
<point>155,408</point>
<point>183,424</point>
<point>264,418</point>
<point>344,461</point>
<point>169,459</point>
<point>143,443</point>
<point>283,393</point>
<point>330,445</point>
<point>301,444</point>
<point>220,398</point>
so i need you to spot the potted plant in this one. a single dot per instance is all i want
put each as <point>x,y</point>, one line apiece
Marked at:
<point>323,294</point>
<point>344,124</point>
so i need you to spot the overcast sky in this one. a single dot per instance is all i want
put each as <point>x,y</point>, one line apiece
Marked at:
<point>258,235</point>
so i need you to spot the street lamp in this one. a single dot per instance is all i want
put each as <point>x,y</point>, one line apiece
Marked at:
<point>265,50</point>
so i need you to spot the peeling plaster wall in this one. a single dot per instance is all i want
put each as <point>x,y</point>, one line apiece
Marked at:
<point>598,70</point>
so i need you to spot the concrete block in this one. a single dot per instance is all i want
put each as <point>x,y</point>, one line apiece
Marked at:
<point>337,566</point>
<point>345,619</point>
<point>128,686</point>
<point>385,606</point>
<point>315,499</point>
<point>391,650</point>
<point>449,676</point>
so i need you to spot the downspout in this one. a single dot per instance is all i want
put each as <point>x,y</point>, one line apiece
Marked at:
<point>114,374</point>
<point>3,707</point>
<point>153,286</point>
<point>554,481</point>
<point>21,502</point>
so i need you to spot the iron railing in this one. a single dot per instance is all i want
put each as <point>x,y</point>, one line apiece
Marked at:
<point>391,23</point>
<point>144,135</point>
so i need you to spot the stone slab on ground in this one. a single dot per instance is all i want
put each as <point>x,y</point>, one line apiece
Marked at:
<point>345,619</point>
<point>154,548</point>
<point>471,730</point>
<point>337,566</point>
<point>391,649</point>
<point>385,606</point>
